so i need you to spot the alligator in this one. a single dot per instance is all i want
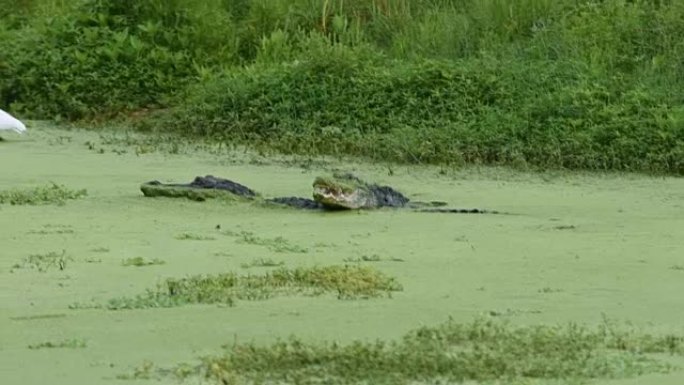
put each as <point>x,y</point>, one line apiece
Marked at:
<point>339,192</point>
<point>210,187</point>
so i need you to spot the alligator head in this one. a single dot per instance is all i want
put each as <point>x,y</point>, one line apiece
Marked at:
<point>342,191</point>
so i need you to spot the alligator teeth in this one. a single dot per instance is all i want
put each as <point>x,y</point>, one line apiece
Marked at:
<point>331,193</point>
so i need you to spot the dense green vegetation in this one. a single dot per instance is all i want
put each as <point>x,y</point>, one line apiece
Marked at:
<point>485,350</point>
<point>582,84</point>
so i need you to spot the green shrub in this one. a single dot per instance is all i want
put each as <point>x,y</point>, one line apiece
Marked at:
<point>540,113</point>
<point>543,83</point>
<point>110,56</point>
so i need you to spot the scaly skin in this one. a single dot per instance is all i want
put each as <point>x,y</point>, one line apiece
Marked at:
<point>210,187</point>
<point>345,191</point>
<point>200,189</point>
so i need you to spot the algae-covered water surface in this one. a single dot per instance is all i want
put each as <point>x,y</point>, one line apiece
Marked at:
<point>107,286</point>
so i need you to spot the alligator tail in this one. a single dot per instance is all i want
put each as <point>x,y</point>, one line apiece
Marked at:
<point>458,211</point>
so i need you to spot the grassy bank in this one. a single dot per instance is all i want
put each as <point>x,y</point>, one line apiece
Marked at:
<point>529,83</point>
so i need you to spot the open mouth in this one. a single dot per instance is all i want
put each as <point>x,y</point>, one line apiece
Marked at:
<point>334,197</point>
<point>329,192</point>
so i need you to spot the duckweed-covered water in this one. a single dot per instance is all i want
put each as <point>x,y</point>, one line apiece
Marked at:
<point>576,248</point>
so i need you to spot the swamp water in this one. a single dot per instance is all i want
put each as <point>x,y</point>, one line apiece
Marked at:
<point>577,248</point>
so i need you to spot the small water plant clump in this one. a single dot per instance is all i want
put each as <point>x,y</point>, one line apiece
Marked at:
<point>484,350</point>
<point>65,344</point>
<point>193,237</point>
<point>348,282</point>
<point>549,290</point>
<point>50,194</point>
<point>43,262</point>
<point>277,244</point>
<point>38,317</point>
<point>262,262</point>
<point>372,258</point>
<point>140,261</point>
<point>54,229</point>
<point>146,371</point>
